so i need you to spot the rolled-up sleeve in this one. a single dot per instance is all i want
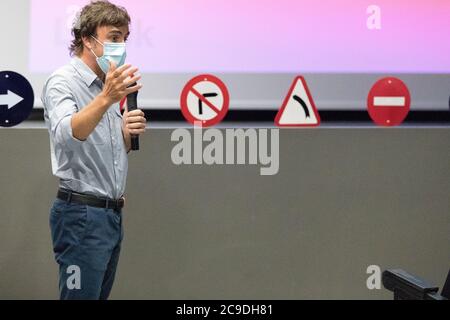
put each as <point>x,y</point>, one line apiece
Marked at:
<point>60,106</point>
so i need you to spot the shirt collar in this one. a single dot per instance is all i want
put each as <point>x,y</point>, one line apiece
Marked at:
<point>84,71</point>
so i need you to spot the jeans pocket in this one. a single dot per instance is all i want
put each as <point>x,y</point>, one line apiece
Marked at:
<point>68,223</point>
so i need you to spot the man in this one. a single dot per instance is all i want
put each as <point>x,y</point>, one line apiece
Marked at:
<point>90,140</point>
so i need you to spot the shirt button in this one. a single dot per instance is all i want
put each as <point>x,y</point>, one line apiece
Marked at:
<point>115,163</point>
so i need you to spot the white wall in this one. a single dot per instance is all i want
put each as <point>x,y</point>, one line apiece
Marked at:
<point>248,91</point>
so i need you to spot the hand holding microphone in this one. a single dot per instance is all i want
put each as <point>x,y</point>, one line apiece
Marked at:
<point>122,82</point>
<point>137,116</point>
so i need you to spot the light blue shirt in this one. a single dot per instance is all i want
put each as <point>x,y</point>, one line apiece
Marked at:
<point>99,165</point>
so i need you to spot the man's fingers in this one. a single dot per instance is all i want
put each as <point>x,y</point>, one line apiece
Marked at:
<point>133,89</point>
<point>120,70</point>
<point>112,66</point>
<point>139,119</point>
<point>128,72</point>
<point>136,132</point>
<point>132,80</point>
<point>136,113</point>
<point>138,125</point>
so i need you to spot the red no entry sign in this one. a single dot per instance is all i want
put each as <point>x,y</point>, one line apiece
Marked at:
<point>389,102</point>
<point>205,101</point>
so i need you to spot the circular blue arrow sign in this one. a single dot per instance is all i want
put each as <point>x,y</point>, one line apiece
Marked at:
<point>16,99</point>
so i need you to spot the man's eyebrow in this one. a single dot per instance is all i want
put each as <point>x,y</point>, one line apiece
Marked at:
<point>115,31</point>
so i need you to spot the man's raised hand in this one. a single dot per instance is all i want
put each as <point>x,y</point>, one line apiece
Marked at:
<point>117,82</point>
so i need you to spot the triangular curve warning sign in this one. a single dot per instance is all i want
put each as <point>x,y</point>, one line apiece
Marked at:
<point>298,109</point>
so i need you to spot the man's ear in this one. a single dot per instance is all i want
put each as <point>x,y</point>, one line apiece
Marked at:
<point>87,42</point>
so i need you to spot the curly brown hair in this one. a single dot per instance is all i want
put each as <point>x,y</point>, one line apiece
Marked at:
<point>96,14</point>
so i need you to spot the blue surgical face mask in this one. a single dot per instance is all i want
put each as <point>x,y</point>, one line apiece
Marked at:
<point>115,52</point>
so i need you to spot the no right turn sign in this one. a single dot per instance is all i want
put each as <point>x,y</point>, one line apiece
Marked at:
<point>205,101</point>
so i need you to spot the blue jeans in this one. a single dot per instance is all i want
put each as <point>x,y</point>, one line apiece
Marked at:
<point>86,244</point>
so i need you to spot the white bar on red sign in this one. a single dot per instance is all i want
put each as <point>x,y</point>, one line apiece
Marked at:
<point>389,101</point>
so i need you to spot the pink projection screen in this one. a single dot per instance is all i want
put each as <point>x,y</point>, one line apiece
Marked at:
<point>263,36</point>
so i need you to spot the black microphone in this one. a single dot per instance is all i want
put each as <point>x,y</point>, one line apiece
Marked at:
<point>132,105</point>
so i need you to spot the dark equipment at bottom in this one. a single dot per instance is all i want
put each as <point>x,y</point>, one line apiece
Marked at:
<point>408,287</point>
